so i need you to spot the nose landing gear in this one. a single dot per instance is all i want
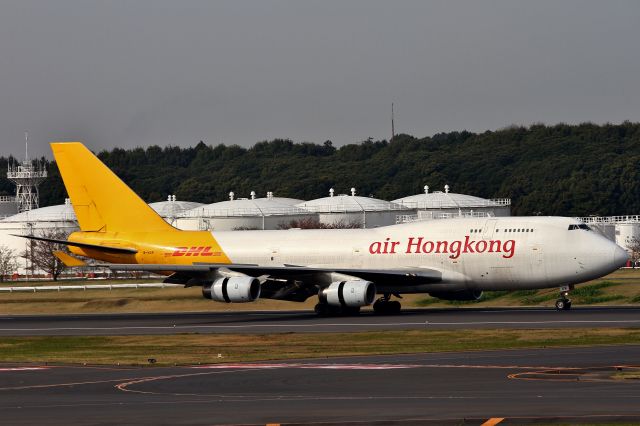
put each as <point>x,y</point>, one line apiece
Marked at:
<point>564,303</point>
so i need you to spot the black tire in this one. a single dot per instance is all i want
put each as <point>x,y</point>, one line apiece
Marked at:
<point>380,307</point>
<point>561,304</point>
<point>348,310</point>
<point>394,307</point>
<point>321,309</point>
<point>567,305</point>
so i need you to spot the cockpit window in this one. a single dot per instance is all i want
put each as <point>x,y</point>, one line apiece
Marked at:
<point>580,226</point>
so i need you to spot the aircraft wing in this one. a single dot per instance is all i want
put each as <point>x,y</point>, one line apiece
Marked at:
<point>286,282</point>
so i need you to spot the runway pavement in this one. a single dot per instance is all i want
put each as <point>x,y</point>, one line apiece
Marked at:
<point>300,321</point>
<point>563,384</point>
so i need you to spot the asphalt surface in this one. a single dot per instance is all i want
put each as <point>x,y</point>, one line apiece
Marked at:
<point>300,321</point>
<point>561,384</point>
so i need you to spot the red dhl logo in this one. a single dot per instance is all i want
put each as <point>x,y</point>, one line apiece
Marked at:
<point>195,251</point>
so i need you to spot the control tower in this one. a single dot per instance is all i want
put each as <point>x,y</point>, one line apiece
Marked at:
<point>27,176</point>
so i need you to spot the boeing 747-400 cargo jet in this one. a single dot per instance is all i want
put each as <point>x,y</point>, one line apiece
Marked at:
<point>452,259</point>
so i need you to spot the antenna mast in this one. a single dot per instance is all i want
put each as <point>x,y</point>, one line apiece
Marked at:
<point>27,177</point>
<point>393,130</point>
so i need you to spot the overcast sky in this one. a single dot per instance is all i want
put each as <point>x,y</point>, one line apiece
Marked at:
<point>135,73</point>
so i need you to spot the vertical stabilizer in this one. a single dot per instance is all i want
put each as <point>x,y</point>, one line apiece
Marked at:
<point>102,202</point>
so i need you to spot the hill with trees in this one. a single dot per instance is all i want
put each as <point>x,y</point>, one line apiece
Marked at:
<point>571,170</point>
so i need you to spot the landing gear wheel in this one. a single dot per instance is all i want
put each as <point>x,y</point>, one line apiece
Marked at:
<point>348,310</point>
<point>386,307</point>
<point>321,309</point>
<point>326,310</point>
<point>563,304</point>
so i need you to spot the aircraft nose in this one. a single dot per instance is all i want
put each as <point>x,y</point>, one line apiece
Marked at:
<point>620,256</point>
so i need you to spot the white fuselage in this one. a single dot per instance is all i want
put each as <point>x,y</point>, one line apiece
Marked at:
<point>481,253</point>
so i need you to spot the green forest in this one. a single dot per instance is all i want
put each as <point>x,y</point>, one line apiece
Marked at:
<point>571,170</point>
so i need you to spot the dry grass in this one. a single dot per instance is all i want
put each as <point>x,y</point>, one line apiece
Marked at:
<point>624,289</point>
<point>196,348</point>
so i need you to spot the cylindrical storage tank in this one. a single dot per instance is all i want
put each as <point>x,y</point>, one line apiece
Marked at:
<point>171,209</point>
<point>441,205</point>
<point>35,222</point>
<point>607,230</point>
<point>355,211</point>
<point>243,214</point>
<point>627,233</point>
<point>8,206</point>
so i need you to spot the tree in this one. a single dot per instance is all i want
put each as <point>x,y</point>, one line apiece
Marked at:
<point>8,263</point>
<point>634,247</point>
<point>311,223</point>
<point>40,253</point>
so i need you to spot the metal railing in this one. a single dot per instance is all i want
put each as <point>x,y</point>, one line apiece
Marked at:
<point>610,219</point>
<point>407,218</point>
<point>344,208</point>
<point>39,217</point>
<point>241,212</point>
<point>36,289</point>
<point>448,204</point>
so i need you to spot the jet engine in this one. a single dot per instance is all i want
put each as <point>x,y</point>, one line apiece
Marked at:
<point>232,289</point>
<point>353,293</point>
<point>459,295</point>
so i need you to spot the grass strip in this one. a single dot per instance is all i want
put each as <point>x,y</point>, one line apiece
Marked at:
<point>216,348</point>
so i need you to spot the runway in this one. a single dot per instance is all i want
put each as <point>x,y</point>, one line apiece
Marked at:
<point>565,384</point>
<point>300,321</point>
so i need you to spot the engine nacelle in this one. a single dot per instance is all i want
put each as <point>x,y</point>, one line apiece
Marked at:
<point>458,295</point>
<point>232,289</point>
<point>353,293</point>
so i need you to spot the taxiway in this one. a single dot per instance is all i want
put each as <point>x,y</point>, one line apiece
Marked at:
<point>300,321</point>
<point>562,384</point>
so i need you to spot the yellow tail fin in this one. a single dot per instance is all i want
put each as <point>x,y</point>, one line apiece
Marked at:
<point>102,202</point>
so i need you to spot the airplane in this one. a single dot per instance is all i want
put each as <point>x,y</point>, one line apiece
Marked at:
<point>450,259</point>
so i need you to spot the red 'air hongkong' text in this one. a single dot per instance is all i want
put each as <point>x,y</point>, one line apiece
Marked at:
<point>456,248</point>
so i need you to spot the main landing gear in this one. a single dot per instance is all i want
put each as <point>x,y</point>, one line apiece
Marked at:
<point>564,303</point>
<point>385,306</point>
<point>326,310</point>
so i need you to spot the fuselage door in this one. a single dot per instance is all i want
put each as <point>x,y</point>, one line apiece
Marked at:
<point>356,257</point>
<point>274,254</point>
<point>489,229</point>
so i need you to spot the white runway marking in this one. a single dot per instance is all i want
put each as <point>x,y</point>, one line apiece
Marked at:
<point>264,366</point>
<point>535,322</point>
<point>310,366</point>
<point>22,368</point>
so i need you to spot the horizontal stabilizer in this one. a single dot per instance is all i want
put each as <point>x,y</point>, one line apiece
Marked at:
<point>106,249</point>
<point>68,261</point>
